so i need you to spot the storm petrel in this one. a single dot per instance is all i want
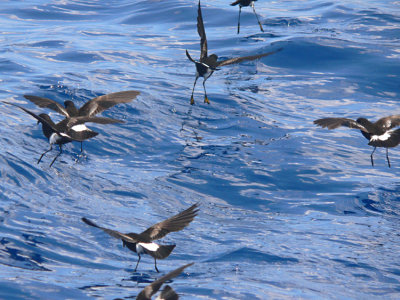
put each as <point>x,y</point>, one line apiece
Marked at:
<point>65,131</point>
<point>167,293</point>
<point>379,134</point>
<point>246,3</point>
<point>208,64</point>
<point>89,109</point>
<point>143,242</point>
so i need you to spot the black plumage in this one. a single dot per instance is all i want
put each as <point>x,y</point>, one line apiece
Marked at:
<point>89,109</point>
<point>379,133</point>
<point>143,242</point>
<point>64,132</point>
<point>206,66</point>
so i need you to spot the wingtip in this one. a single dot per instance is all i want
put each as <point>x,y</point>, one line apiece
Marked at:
<point>318,123</point>
<point>118,121</point>
<point>195,208</point>
<point>189,57</point>
<point>88,222</point>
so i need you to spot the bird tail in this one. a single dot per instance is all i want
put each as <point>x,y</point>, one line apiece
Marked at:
<point>162,252</point>
<point>82,135</point>
<point>235,3</point>
<point>392,141</point>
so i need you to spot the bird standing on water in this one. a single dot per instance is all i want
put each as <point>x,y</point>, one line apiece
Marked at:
<point>208,64</point>
<point>65,131</point>
<point>167,293</point>
<point>143,242</point>
<point>89,109</point>
<point>379,134</point>
<point>246,3</point>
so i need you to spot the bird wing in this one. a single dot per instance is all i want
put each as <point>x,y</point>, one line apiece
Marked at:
<point>237,60</point>
<point>153,287</point>
<point>389,122</point>
<point>101,103</point>
<point>48,103</point>
<point>40,119</point>
<point>332,123</point>
<point>175,223</point>
<point>202,34</point>
<point>190,58</point>
<point>111,232</point>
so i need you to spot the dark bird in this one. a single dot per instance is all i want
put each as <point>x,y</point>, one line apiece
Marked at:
<point>167,293</point>
<point>66,131</point>
<point>379,134</point>
<point>89,109</point>
<point>143,242</point>
<point>246,3</point>
<point>208,64</point>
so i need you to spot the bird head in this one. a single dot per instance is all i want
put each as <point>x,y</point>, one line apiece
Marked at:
<point>363,121</point>
<point>214,57</point>
<point>69,103</point>
<point>44,116</point>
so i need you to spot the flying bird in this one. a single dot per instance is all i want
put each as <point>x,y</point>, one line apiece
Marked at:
<point>143,242</point>
<point>167,293</point>
<point>379,134</point>
<point>243,3</point>
<point>206,66</point>
<point>89,109</point>
<point>66,131</point>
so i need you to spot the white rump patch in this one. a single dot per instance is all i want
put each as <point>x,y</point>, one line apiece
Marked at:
<point>150,246</point>
<point>54,138</point>
<point>79,128</point>
<point>382,137</point>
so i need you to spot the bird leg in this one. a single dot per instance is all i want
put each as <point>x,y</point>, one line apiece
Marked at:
<point>205,92</point>
<point>372,156</point>
<point>155,265</point>
<point>194,84</point>
<point>387,156</point>
<point>56,156</point>
<point>240,9</point>
<point>137,262</point>
<point>51,148</point>
<point>81,146</point>
<point>252,5</point>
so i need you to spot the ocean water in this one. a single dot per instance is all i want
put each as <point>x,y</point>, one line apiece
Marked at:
<point>287,210</point>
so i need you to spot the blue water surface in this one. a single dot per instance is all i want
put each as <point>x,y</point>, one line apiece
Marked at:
<point>288,210</point>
